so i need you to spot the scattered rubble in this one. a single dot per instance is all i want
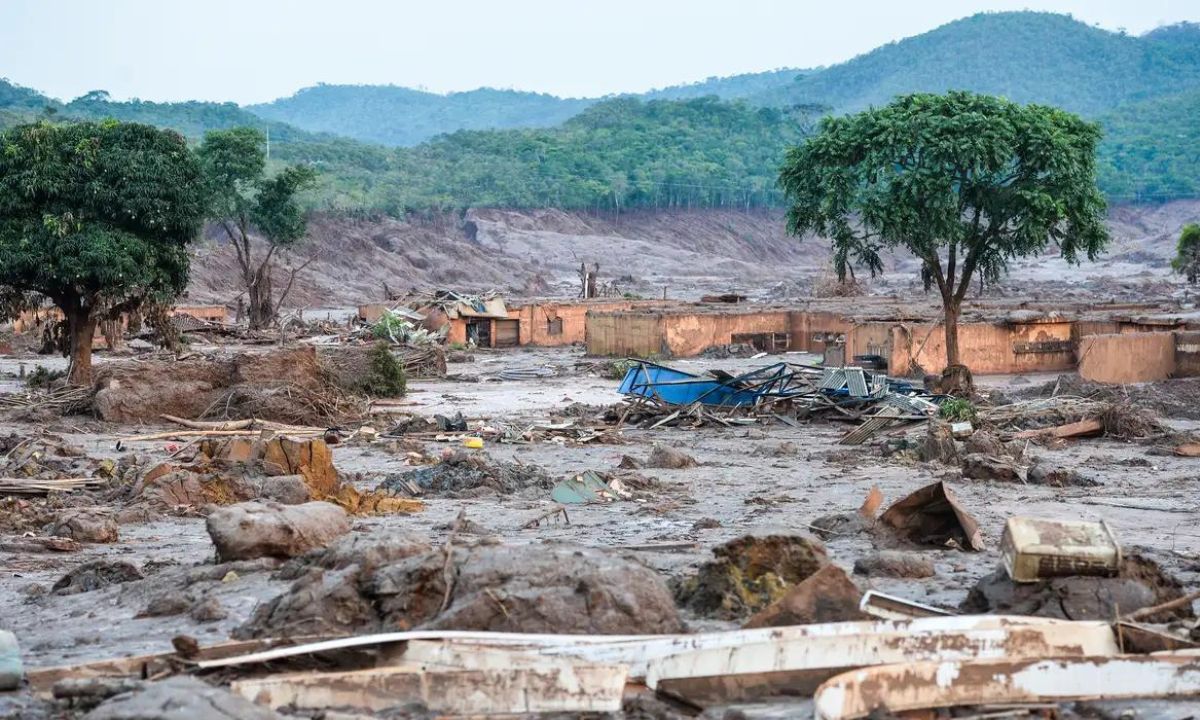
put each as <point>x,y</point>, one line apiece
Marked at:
<point>462,474</point>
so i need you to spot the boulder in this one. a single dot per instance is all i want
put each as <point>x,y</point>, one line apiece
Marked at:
<point>180,698</point>
<point>528,588</point>
<point>86,525</point>
<point>256,529</point>
<point>1140,583</point>
<point>96,575</point>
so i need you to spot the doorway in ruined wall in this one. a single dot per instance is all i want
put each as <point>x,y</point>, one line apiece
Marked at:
<point>479,332</point>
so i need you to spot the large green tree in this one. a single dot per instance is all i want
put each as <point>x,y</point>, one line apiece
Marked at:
<point>1187,253</point>
<point>246,201</point>
<point>964,182</point>
<point>96,217</point>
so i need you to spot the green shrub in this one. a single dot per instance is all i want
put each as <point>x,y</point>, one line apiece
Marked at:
<point>43,378</point>
<point>385,375</point>
<point>958,410</point>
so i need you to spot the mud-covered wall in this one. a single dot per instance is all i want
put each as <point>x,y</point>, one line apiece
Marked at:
<point>624,333</point>
<point>1187,354</point>
<point>986,348</point>
<point>687,335</point>
<point>1127,357</point>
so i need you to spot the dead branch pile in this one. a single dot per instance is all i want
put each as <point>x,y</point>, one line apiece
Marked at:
<point>1120,420</point>
<point>1041,413</point>
<point>65,400</point>
<point>293,403</point>
<point>1129,422</point>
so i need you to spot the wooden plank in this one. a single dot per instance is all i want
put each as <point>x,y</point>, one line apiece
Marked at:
<point>565,687</point>
<point>796,664</point>
<point>1070,430</point>
<point>929,685</point>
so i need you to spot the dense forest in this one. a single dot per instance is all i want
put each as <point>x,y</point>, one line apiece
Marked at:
<point>717,142</point>
<point>1025,56</point>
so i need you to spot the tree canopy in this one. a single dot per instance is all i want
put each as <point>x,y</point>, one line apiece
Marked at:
<point>96,217</point>
<point>964,182</point>
<point>245,200</point>
<point>1187,253</point>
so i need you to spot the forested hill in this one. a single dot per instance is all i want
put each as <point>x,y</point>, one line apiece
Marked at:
<point>627,151</point>
<point>1024,56</point>
<point>391,115</point>
<point>401,116</point>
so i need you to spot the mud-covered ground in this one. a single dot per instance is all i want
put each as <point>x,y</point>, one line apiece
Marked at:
<point>749,480</point>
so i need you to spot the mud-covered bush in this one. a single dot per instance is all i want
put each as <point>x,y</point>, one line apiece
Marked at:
<point>385,375</point>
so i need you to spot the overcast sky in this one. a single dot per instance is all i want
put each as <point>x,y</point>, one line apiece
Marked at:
<point>256,50</point>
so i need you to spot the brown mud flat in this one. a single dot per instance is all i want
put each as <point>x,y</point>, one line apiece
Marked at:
<point>761,480</point>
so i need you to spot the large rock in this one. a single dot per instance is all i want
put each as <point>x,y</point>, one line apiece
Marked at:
<point>750,573</point>
<point>96,575</point>
<point>254,529</point>
<point>530,588</point>
<point>1141,583</point>
<point>86,525</point>
<point>180,698</point>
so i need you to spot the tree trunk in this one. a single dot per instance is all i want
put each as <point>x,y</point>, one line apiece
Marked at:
<point>952,309</point>
<point>261,309</point>
<point>81,327</point>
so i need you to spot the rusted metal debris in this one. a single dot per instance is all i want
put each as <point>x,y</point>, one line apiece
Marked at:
<point>1032,549</point>
<point>928,685</point>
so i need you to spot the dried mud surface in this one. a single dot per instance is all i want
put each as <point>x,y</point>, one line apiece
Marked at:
<point>768,480</point>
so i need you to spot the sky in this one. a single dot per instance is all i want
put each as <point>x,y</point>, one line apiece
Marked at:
<point>249,51</point>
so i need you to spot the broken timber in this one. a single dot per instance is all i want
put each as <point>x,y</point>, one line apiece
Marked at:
<point>930,685</point>
<point>545,686</point>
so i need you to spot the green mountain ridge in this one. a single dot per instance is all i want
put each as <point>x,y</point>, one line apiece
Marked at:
<point>682,146</point>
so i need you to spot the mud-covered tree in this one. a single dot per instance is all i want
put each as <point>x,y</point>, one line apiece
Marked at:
<point>246,202</point>
<point>95,217</point>
<point>1187,253</point>
<point>964,182</point>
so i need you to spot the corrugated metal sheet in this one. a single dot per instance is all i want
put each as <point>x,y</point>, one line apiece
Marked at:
<point>833,379</point>
<point>856,382</point>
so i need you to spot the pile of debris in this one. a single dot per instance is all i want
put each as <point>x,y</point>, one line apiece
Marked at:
<point>657,396</point>
<point>281,469</point>
<point>42,464</point>
<point>462,474</point>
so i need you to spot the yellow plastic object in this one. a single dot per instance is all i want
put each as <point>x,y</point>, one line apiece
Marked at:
<point>474,443</point>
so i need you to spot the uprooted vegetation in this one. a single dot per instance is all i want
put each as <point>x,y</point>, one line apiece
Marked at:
<point>301,386</point>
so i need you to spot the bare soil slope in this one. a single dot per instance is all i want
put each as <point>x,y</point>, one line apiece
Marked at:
<point>537,252</point>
